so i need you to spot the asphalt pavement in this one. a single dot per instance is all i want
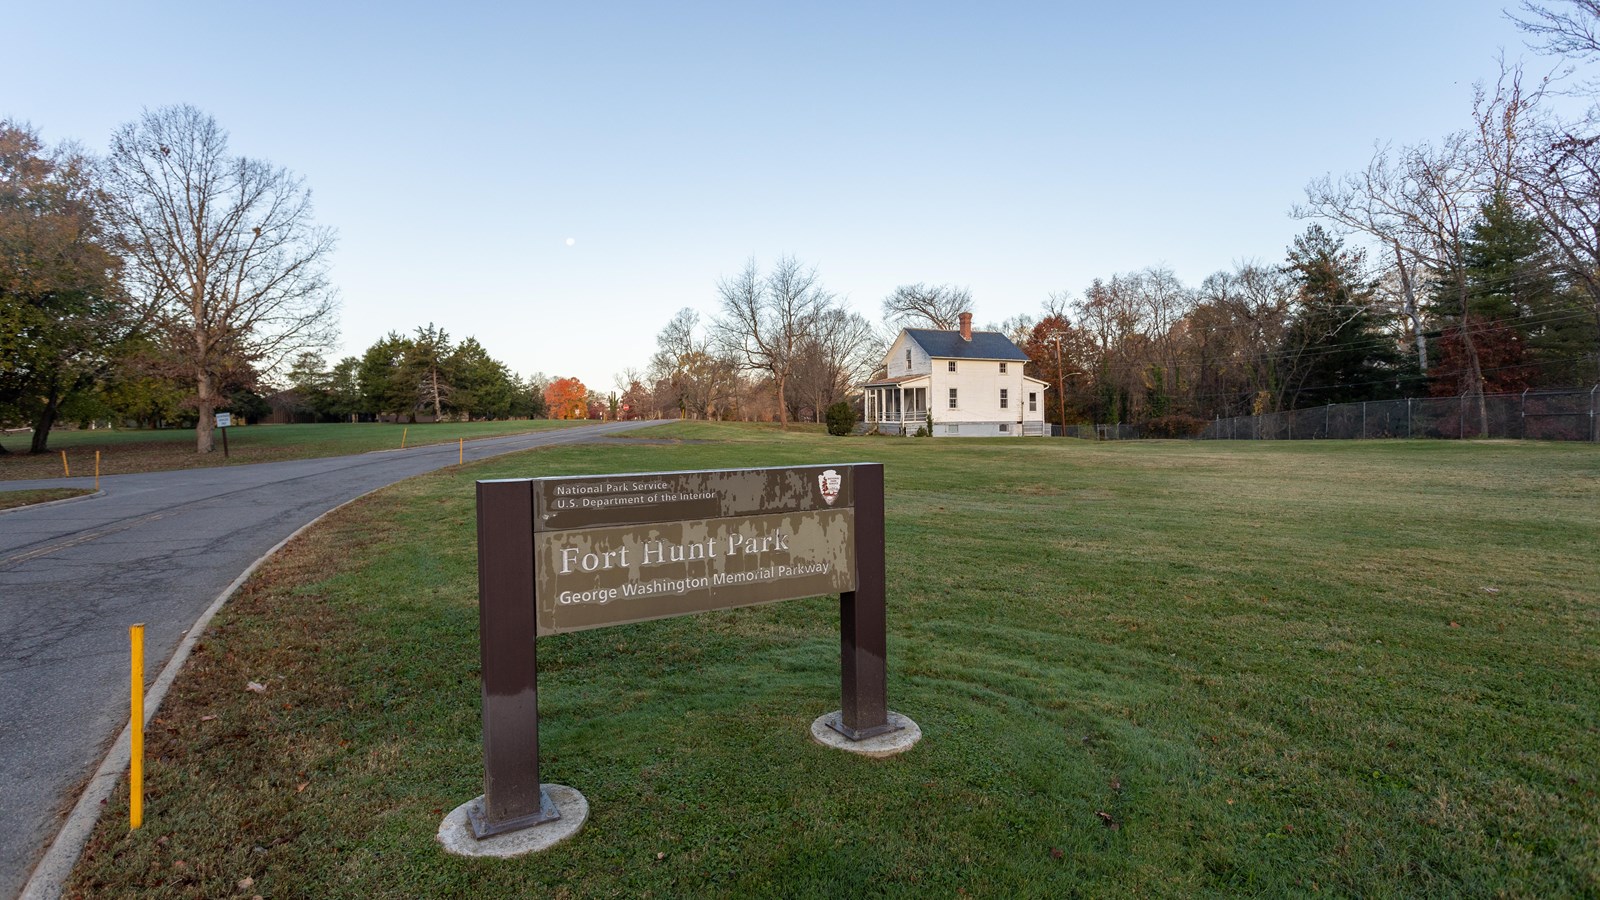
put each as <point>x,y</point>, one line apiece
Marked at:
<point>157,548</point>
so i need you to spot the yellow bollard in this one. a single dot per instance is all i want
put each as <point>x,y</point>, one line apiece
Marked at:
<point>461,450</point>
<point>65,472</point>
<point>403,437</point>
<point>97,470</point>
<point>136,726</point>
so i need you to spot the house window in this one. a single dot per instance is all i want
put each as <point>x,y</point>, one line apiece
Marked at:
<point>950,366</point>
<point>1005,400</point>
<point>952,398</point>
<point>908,359</point>
<point>1005,427</point>
<point>1033,402</point>
<point>952,429</point>
<point>1002,368</point>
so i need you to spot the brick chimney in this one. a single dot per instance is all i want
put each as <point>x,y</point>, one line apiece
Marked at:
<point>966,326</point>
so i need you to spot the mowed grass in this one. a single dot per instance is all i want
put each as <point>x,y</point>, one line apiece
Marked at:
<point>14,499</point>
<point>123,451</point>
<point>1164,669</point>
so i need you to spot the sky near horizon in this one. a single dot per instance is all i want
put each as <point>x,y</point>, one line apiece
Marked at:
<point>559,180</point>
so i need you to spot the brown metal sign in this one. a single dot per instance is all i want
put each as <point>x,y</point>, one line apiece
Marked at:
<point>606,554</point>
<point>565,554</point>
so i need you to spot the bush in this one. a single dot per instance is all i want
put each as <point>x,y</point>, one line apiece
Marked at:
<point>841,418</point>
<point>1177,425</point>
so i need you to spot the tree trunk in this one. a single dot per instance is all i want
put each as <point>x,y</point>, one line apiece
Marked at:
<point>1474,367</point>
<point>438,413</point>
<point>205,429</point>
<point>1411,311</point>
<point>783,405</point>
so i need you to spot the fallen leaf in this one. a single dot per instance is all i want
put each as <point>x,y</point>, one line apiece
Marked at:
<point>1230,801</point>
<point>661,856</point>
<point>1105,819</point>
<point>246,883</point>
<point>1288,829</point>
<point>179,864</point>
<point>1116,785</point>
<point>207,718</point>
<point>301,786</point>
<point>1055,853</point>
<point>1455,624</point>
<point>1491,590</point>
<point>256,687</point>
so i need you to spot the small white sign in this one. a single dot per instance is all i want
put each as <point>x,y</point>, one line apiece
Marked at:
<point>224,420</point>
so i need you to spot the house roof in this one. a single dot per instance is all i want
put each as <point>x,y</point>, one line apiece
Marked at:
<point>901,379</point>
<point>949,345</point>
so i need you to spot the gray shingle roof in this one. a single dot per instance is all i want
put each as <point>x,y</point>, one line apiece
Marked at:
<point>949,345</point>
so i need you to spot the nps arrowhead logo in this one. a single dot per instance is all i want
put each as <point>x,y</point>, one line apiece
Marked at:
<point>829,481</point>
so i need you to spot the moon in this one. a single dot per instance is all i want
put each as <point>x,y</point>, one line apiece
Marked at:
<point>571,241</point>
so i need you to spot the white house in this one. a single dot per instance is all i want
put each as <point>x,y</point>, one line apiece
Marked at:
<point>968,383</point>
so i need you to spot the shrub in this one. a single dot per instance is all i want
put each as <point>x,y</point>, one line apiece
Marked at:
<point>1177,425</point>
<point>841,418</point>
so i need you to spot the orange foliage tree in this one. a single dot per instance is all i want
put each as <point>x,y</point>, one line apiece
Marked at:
<point>566,398</point>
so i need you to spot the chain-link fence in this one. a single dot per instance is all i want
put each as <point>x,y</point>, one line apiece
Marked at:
<point>1553,415</point>
<point>1568,415</point>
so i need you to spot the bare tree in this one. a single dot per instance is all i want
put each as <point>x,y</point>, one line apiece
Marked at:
<point>1573,32</point>
<point>766,321</point>
<point>1421,202</point>
<point>926,306</point>
<point>221,249</point>
<point>838,354</point>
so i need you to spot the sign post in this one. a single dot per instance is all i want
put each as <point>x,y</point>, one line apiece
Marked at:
<point>223,421</point>
<point>568,554</point>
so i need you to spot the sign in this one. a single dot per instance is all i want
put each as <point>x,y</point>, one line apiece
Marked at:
<point>566,554</point>
<point>627,548</point>
<point>224,420</point>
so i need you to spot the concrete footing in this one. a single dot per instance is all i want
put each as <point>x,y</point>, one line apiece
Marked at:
<point>898,741</point>
<point>455,832</point>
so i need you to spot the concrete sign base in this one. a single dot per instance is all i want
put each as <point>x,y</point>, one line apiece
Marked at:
<point>455,832</point>
<point>905,736</point>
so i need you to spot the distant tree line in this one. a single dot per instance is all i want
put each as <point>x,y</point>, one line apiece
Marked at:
<point>402,377</point>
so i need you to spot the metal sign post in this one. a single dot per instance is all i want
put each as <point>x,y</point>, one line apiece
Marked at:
<point>567,554</point>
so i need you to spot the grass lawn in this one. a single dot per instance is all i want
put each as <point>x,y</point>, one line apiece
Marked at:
<point>126,450</point>
<point>1166,668</point>
<point>14,499</point>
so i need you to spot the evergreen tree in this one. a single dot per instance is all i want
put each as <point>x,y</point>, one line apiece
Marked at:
<point>1339,348</point>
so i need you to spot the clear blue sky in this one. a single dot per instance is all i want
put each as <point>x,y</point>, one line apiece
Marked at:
<point>1018,150</point>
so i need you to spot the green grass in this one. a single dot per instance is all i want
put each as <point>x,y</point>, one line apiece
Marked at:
<point>14,499</point>
<point>1171,669</point>
<point>131,450</point>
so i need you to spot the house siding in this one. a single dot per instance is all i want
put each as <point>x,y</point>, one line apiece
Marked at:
<point>978,383</point>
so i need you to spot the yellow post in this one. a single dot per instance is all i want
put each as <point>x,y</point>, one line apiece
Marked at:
<point>136,726</point>
<point>403,437</point>
<point>65,472</point>
<point>461,450</point>
<point>97,470</point>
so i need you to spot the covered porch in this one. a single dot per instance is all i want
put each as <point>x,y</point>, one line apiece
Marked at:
<point>897,406</point>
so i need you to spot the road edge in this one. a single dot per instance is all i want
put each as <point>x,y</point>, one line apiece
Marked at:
<point>50,874</point>
<point>88,496</point>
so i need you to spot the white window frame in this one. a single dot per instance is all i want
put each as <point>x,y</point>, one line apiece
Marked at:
<point>952,429</point>
<point>950,366</point>
<point>1002,368</point>
<point>1005,427</point>
<point>1005,399</point>
<point>953,399</point>
<point>1033,401</point>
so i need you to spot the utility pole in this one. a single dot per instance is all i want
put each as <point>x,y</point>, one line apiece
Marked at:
<point>1061,380</point>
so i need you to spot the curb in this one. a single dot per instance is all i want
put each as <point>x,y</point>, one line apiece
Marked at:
<point>99,493</point>
<point>50,875</point>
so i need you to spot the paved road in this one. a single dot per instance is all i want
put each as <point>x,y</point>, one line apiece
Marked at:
<point>157,549</point>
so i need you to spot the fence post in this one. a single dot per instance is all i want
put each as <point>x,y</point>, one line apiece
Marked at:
<point>1327,414</point>
<point>1363,420</point>
<point>1461,424</point>
<point>1522,416</point>
<point>1594,425</point>
<point>1409,435</point>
